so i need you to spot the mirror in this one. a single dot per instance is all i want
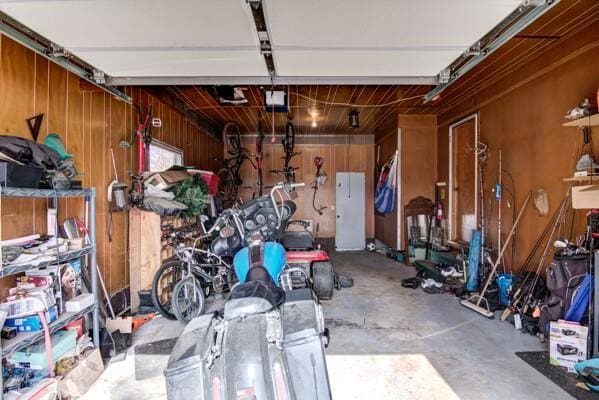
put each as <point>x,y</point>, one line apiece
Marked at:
<point>418,218</point>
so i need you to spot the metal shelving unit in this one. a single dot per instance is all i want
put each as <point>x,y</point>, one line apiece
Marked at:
<point>62,258</point>
<point>25,339</point>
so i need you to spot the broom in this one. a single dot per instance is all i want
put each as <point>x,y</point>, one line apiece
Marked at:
<point>474,301</point>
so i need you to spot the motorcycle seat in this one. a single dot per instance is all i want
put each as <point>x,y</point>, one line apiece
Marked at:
<point>258,273</point>
<point>253,297</point>
<point>297,240</point>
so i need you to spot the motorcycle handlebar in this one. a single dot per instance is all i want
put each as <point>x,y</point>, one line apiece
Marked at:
<point>287,187</point>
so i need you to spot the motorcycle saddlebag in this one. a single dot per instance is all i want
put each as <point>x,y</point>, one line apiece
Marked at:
<point>303,343</point>
<point>185,375</point>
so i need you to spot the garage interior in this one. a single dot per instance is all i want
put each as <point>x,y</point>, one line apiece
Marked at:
<point>448,163</point>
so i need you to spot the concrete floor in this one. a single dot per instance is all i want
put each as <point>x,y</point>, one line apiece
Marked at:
<point>387,342</point>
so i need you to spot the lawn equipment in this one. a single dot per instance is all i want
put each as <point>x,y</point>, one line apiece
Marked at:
<point>308,264</point>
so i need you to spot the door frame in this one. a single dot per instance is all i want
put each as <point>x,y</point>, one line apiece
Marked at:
<point>399,200</point>
<point>462,121</point>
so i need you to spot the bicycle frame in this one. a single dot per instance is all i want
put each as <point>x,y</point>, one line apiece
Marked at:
<point>259,159</point>
<point>288,144</point>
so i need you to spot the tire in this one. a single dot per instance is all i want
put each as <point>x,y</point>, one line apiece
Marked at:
<point>226,184</point>
<point>163,284</point>
<point>188,299</point>
<point>324,280</point>
<point>289,142</point>
<point>232,140</point>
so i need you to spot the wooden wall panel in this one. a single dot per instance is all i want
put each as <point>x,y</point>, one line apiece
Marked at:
<point>418,157</point>
<point>522,115</point>
<point>337,158</point>
<point>90,123</point>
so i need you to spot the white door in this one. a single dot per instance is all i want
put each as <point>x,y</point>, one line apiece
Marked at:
<point>350,203</point>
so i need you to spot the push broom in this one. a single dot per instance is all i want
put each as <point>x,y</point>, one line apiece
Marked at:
<point>475,300</point>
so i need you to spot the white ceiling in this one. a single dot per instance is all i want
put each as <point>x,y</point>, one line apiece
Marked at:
<point>217,38</point>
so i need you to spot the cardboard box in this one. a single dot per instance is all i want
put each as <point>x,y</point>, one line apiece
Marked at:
<point>33,322</point>
<point>585,197</point>
<point>80,302</point>
<point>78,380</point>
<point>34,356</point>
<point>567,344</point>
<point>122,324</point>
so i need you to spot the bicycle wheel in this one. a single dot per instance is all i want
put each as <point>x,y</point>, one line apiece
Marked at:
<point>188,299</point>
<point>232,139</point>
<point>289,141</point>
<point>163,284</point>
<point>226,184</point>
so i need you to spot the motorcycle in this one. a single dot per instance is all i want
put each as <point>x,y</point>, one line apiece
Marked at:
<point>267,344</point>
<point>307,264</point>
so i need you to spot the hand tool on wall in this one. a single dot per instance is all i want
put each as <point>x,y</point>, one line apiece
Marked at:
<point>143,135</point>
<point>319,180</point>
<point>474,302</point>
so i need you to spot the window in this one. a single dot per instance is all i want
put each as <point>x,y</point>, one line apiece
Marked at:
<point>163,156</point>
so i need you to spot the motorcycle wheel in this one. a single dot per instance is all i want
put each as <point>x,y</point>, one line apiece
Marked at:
<point>163,284</point>
<point>324,280</point>
<point>188,299</point>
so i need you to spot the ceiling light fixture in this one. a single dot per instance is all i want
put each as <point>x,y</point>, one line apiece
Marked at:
<point>354,120</point>
<point>314,123</point>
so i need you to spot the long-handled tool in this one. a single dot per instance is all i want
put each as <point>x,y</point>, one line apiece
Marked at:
<point>474,302</point>
<point>526,296</point>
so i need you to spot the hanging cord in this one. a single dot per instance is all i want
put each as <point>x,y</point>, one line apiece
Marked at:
<point>110,227</point>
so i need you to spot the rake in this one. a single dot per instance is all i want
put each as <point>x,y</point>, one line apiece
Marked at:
<point>475,300</point>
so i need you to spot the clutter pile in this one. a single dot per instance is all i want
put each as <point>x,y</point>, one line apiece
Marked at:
<point>179,191</point>
<point>27,164</point>
<point>48,302</point>
<point>551,294</point>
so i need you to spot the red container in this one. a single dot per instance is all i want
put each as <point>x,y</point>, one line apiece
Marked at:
<point>209,177</point>
<point>211,180</point>
<point>76,326</point>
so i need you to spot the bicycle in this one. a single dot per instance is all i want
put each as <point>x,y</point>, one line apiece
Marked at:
<point>229,177</point>
<point>259,157</point>
<point>288,145</point>
<point>182,283</point>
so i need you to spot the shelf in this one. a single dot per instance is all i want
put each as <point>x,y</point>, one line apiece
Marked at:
<point>24,339</point>
<point>593,120</point>
<point>25,192</point>
<point>582,178</point>
<point>63,257</point>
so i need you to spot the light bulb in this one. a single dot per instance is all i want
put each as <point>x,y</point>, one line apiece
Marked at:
<point>314,124</point>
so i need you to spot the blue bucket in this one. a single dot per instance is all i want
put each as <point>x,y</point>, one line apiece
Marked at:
<point>504,282</point>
